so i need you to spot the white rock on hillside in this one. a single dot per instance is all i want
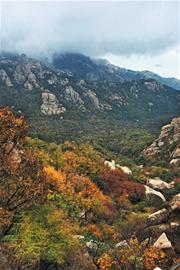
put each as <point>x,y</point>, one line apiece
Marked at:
<point>125,169</point>
<point>122,244</point>
<point>175,162</point>
<point>112,165</point>
<point>158,216</point>
<point>91,244</point>
<point>163,242</point>
<point>157,183</point>
<point>50,104</point>
<point>153,197</point>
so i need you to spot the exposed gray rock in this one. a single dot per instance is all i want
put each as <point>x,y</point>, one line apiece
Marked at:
<point>50,104</point>
<point>175,156</point>
<point>158,216</point>
<point>93,98</point>
<point>92,244</point>
<point>64,82</point>
<point>5,78</point>
<point>23,75</point>
<point>106,106</point>
<point>153,85</point>
<point>153,197</point>
<point>163,215</point>
<point>72,95</point>
<point>122,244</point>
<point>52,79</point>
<point>162,228</point>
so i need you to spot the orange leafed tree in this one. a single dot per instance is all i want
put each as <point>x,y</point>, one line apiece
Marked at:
<point>21,176</point>
<point>78,189</point>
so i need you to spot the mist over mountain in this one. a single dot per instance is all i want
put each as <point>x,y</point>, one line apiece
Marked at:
<point>84,67</point>
<point>133,34</point>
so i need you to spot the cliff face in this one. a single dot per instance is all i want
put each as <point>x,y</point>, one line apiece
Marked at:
<point>167,145</point>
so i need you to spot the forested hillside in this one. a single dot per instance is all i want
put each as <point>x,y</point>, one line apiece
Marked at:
<point>68,206</point>
<point>116,115</point>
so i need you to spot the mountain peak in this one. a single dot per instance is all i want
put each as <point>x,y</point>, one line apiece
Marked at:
<point>83,67</point>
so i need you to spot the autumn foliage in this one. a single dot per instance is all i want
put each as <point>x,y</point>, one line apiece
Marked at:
<point>62,208</point>
<point>117,183</point>
<point>21,176</point>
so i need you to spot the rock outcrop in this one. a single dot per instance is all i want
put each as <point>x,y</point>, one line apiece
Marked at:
<point>153,197</point>
<point>72,95</point>
<point>5,78</point>
<point>159,184</point>
<point>125,169</point>
<point>167,145</point>
<point>153,85</point>
<point>50,104</point>
<point>166,221</point>
<point>93,98</point>
<point>122,244</point>
<point>112,165</point>
<point>163,215</point>
<point>24,74</point>
<point>158,217</point>
<point>163,243</point>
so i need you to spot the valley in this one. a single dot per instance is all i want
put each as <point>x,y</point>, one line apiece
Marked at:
<point>89,167</point>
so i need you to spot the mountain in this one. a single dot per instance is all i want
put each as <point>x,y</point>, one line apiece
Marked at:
<point>59,105</point>
<point>86,68</point>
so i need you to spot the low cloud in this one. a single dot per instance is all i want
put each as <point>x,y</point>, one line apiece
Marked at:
<point>92,28</point>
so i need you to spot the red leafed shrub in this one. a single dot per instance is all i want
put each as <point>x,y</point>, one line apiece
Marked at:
<point>177,179</point>
<point>117,183</point>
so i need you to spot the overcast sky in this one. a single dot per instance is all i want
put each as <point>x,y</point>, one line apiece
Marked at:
<point>139,35</point>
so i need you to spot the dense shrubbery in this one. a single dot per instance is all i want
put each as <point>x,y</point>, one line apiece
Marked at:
<point>117,183</point>
<point>61,207</point>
